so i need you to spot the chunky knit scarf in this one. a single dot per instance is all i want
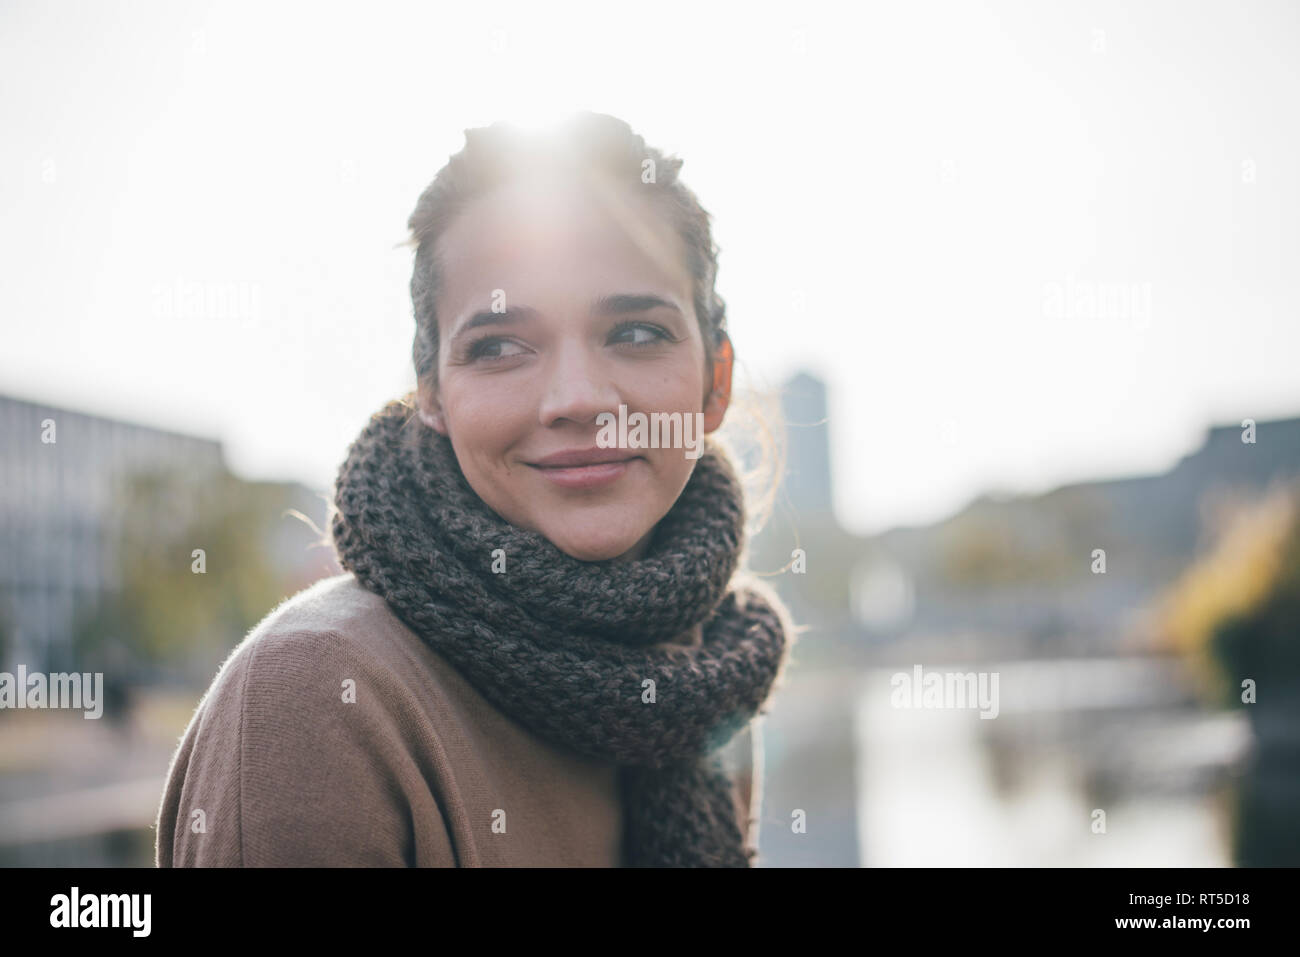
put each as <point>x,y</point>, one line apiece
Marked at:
<point>568,648</point>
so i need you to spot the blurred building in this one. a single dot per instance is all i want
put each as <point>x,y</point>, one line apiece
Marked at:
<point>1019,575</point>
<point>63,475</point>
<point>808,449</point>
<point>1023,572</point>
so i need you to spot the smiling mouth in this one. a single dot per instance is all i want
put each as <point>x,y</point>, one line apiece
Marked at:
<point>589,475</point>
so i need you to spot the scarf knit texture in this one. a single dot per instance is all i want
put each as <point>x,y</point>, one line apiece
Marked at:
<point>566,647</point>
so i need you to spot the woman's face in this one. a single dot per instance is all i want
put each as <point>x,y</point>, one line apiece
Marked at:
<point>559,304</point>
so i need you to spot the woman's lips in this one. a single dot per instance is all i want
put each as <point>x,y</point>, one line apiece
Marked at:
<point>586,476</point>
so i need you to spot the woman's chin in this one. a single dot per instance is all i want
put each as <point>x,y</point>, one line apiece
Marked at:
<point>595,545</point>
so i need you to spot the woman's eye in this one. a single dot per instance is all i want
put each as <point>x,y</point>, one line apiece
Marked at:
<point>493,348</point>
<point>648,334</point>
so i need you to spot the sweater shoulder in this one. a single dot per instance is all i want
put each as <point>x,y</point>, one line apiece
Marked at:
<point>318,639</point>
<point>335,621</point>
<point>306,748</point>
<point>303,651</point>
<point>339,605</point>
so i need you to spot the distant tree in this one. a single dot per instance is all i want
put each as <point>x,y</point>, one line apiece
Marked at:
<point>173,604</point>
<point>1232,581</point>
<point>1262,646</point>
<point>1236,613</point>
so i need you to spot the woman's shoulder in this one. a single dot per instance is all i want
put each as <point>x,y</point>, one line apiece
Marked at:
<point>331,644</point>
<point>338,605</point>
<point>296,753</point>
<point>333,623</point>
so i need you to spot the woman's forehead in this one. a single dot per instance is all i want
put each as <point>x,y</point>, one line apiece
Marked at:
<point>548,238</point>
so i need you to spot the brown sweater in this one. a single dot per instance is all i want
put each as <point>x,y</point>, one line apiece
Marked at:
<point>333,736</point>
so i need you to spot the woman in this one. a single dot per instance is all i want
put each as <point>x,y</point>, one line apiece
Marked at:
<point>540,653</point>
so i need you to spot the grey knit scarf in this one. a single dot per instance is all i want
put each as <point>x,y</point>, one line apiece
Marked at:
<point>567,647</point>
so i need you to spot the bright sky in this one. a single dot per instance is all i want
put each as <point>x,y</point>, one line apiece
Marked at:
<point>1024,243</point>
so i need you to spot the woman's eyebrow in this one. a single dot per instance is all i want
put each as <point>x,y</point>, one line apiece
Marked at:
<point>489,318</point>
<point>625,303</point>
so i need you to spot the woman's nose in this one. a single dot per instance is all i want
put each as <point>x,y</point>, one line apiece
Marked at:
<point>579,386</point>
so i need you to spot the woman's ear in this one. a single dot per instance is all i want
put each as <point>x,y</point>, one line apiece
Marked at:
<point>715,405</point>
<point>430,410</point>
